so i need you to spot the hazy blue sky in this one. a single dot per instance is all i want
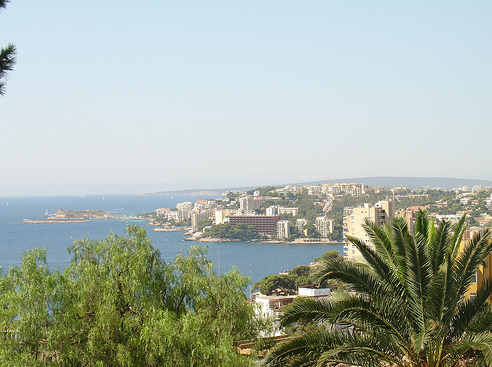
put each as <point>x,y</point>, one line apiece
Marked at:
<point>126,97</point>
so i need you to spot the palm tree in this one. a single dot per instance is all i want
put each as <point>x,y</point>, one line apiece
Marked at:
<point>7,57</point>
<point>407,305</point>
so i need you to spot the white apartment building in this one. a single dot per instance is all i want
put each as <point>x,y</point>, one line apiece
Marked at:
<point>246,202</point>
<point>381,213</point>
<point>453,218</point>
<point>324,226</point>
<point>313,292</point>
<point>353,189</point>
<point>187,205</point>
<point>300,224</point>
<point>258,200</point>
<point>489,201</point>
<point>283,229</point>
<point>285,210</point>
<point>270,210</point>
<point>285,190</point>
<point>221,215</point>
<point>198,217</point>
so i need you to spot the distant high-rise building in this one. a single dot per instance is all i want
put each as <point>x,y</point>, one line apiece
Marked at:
<point>283,229</point>
<point>197,217</point>
<point>301,224</point>
<point>324,226</point>
<point>410,216</point>
<point>221,215</point>
<point>380,214</point>
<point>246,202</point>
<point>270,210</point>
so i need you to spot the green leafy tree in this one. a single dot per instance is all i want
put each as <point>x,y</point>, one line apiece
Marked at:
<point>273,282</point>
<point>329,255</point>
<point>242,231</point>
<point>312,231</point>
<point>7,57</point>
<point>407,304</point>
<point>119,304</point>
<point>205,223</point>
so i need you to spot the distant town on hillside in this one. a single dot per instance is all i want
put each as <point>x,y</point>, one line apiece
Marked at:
<point>382,181</point>
<point>328,212</point>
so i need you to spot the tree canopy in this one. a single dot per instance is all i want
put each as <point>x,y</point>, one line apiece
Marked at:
<point>119,304</point>
<point>241,231</point>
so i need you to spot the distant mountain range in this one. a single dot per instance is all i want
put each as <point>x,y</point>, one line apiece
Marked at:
<point>390,182</point>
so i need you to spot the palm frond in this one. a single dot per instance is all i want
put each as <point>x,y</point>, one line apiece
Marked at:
<point>3,3</point>
<point>381,316</point>
<point>424,225</point>
<point>381,239</point>
<point>322,348</point>
<point>387,273</point>
<point>306,310</point>
<point>476,347</point>
<point>472,313</point>
<point>419,277</point>
<point>358,278</point>
<point>464,269</point>
<point>306,348</point>
<point>482,321</point>
<point>438,245</point>
<point>457,239</point>
<point>399,233</point>
<point>435,295</point>
<point>7,62</point>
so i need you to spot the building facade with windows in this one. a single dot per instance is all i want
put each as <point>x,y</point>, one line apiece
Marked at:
<point>264,224</point>
<point>380,213</point>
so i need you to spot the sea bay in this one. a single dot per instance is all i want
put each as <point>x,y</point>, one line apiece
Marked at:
<point>253,259</point>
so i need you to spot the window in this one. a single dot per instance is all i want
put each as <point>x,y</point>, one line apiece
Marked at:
<point>475,279</point>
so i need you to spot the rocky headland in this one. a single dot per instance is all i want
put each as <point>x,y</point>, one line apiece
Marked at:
<point>74,216</point>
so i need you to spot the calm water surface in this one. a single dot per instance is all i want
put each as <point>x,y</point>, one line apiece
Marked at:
<point>253,259</point>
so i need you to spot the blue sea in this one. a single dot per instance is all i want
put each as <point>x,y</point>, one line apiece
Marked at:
<point>253,259</point>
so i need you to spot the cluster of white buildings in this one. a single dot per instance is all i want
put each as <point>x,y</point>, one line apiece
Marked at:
<point>211,209</point>
<point>353,189</point>
<point>269,305</point>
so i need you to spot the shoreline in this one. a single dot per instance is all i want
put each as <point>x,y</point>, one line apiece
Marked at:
<point>210,239</point>
<point>307,241</point>
<point>161,229</point>
<point>42,221</point>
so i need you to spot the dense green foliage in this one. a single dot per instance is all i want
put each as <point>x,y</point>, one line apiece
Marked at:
<point>205,223</point>
<point>288,283</point>
<point>328,256</point>
<point>242,231</point>
<point>119,304</point>
<point>406,305</point>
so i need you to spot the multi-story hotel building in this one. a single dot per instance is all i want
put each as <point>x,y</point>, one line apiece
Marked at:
<point>264,224</point>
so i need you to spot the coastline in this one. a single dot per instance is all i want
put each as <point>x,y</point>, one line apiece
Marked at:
<point>210,239</point>
<point>299,241</point>
<point>161,229</point>
<point>42,221</point>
